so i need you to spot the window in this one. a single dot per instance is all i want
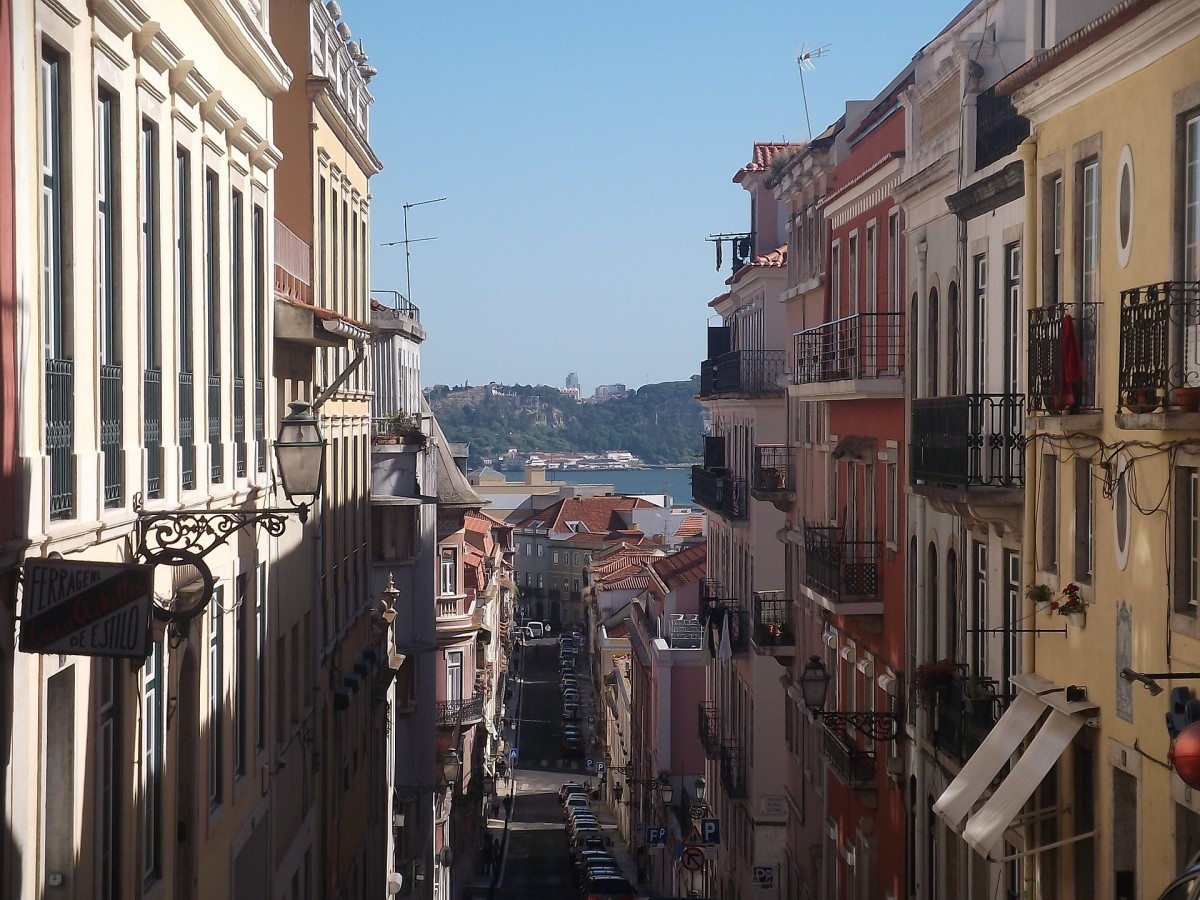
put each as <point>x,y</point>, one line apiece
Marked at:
<point>1012,613</point>
<point>258,336</point>
<point>979,275</point>
<point>979,601</point>
<point>111,765</point>
<point>541,549</point>
<point>893,503</point>
<point>183,288</point>
<point>1048,545</point>
<point>1191,198</point>
<point>853,300</point>
<point>952,340</point>
<point>454,676</point>
<point>894,250</point>
<point>260,659</point>
<point>1089,231</point>
<point>870,301</point>
<point>212,271</point>
<point>242,635</point>
<point>1084,525</point>
<point>1012,314</point>
<point>60,373</point>
<point>237,276</point>
<point>1054,272</point>
<point>835,280</point>
<point>151,345</point>
<point>575,558</point>
<point>932,346</point>
<point>554,557</point>
<point>152,751</point>
<point>449,570</point>
<point>1187,539</point>
<point>107,153</point>
<point>216,697</point>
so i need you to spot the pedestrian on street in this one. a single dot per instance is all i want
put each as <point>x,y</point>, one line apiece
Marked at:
<point>488,853</point>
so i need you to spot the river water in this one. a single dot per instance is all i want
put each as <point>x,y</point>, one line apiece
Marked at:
<point>676,481</point>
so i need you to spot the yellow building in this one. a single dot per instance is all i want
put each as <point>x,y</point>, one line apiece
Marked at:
<point>1091,806</point>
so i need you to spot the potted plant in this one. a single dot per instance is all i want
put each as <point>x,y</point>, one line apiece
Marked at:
<point>1187,398</point>
<point>401,427</point>
<point>1040,594</point>
<point>1142,400</point>
<point>1071,605</point>
<point>932,678</point>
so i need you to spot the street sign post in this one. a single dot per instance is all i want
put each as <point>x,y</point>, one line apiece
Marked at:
<point>656,835</point>
<point>692,858</point>
<point>512,755</point>
<point>710,831</point>
<point>764,876</point>
<point>590,763</point>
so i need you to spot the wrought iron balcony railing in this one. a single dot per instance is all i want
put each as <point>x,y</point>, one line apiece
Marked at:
<point>855,766</point>
<point>972,440</point>
<point>864,345</point>
<point>733,771</point>
<point>215,450</point>
<point>743,373</point>
<point>460,712</point>
<point>719,492</point>
<point>187,430</point>
<point>60,435</point>
<point>239,426</point>
<point>1062,357</point>
<point>773,472</point>
<point>773,622</point>
<point>260,432</point>
<point>963,714</point>
<point>840,569</point>
<point>710,730</point>
<point>110,434</point>
<point>152,430</point>
<point>1160,342</point>
<point>726,617</point>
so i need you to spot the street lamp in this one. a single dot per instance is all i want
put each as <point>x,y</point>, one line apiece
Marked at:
<point>814,685</point>
<point>185,537</point>
<point>451,769</point>
<point>698,807</point>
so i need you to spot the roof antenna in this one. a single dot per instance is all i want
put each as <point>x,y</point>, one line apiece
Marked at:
<point>804,60</point>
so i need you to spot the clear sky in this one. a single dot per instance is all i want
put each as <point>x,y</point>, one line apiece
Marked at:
<point>585,150</point>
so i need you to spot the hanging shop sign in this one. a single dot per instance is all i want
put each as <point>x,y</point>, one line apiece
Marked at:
<point>86,608</point>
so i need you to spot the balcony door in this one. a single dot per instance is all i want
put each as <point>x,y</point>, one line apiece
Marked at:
<point>454,676</point>
<point>1191,246</point>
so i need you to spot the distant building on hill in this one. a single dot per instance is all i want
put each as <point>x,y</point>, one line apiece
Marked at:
<point>572,381</point>
<point>611,392</point>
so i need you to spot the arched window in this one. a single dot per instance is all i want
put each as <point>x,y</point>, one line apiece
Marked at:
<point>931,347</point>
<point>953,604</point>
<point>931,604</point>
<point>914,342</point>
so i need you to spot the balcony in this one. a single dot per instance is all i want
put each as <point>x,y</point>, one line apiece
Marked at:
<point>864,347</point>
<point>1062,358</point>
<point>110,433</point>
<point>773,631</point>
<point>453,713</point>
<point>187,431</point>
<point>964,714</point>
<point>725,617</point>
<point>773,477</point>
<point>855,767</point>
<point>719,492</point>
<point>60,435</point>
<point>842,575</point>
<point>710,730</point>
<point>969,441</point>
<point>742,373</point>
<point>152,430</point>
<point>733,771</point>
<point>1160,343</point>
<point>239,426</point>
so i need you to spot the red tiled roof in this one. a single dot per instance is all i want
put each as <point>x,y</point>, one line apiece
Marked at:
<point>321,312</point>
<point>597,515</point>
<point>692,526</point>
<point>764,155</point>
<point>683,567</point>
<point>628,581</point>
<point>776,259</point>
<point>620,630</point>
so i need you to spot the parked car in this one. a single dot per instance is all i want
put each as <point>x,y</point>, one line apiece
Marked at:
<point>608,889</point>
<point>537,629</point>
<point>568,788</point>
<point>572,743</point>
<point>570,712</point>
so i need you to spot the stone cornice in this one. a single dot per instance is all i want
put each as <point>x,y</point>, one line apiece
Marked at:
<point>244,42</point>
<point>121,16</point>
<point>188,84</point>
<point>108,52</point>
<point>156,48</point>
<point>347,134</point>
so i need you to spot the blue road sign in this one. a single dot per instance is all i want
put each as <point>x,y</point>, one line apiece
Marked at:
<point>764,876</point>
<point>512,754</point>
<point>590,763</point>
<point>656,835</point>
<point>599,768</point>
<point>710,831</point>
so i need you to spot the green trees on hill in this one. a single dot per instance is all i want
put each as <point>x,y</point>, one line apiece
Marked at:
<point>660,423</point>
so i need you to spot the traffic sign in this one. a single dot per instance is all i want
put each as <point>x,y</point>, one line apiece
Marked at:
<point>692,858</point>
<point>591,763</point>
<point>764,876</point>
<point>512,754</point>
<point>710,831</point>
<point>599,768</point>
<point>656,835</point>
<point>710,851</point>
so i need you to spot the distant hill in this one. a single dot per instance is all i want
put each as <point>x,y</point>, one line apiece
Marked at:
<point>659,423</point>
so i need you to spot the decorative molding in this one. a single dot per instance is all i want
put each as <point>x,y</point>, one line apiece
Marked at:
<point>217,113</point>
<point>266,157</point>
<point>156,48</point>
<point>188,84</point>
<point>218,149</point>
<point>102,47</point>
<point>145,84</point>
<point>121,16</point>
<point>59,9</point>
<point>244,138</point>
<point>244,41</point>
<point>184,119</point>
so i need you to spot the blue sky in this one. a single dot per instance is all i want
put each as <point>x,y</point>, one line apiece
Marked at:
<point>586,150</point>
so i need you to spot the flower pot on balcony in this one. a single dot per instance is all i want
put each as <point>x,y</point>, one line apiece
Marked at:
<point>1186,398</point>
<point>1078,618</point>
<point>773,479</point>
<point>1143,400</point>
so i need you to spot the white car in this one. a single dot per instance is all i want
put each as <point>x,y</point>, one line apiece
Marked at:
<point>537,629</point>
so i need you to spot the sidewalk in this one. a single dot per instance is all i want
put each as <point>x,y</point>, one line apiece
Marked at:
<point>620,852</point>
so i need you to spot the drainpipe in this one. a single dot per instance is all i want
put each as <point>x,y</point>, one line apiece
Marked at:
<point>1029,263</point>
<point>921,840</point>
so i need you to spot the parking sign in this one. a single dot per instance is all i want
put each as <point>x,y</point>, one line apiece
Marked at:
<point>656,835</point>
<point>764,876</point>
<point>710,831</point>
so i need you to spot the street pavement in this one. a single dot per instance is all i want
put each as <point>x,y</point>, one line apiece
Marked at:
<point>535,859</point>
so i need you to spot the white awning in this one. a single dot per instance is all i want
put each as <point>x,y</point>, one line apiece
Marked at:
<point>986,828</point>
<point>990,757</point>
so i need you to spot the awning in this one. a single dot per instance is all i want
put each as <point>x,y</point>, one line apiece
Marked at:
<point>1035,695</point>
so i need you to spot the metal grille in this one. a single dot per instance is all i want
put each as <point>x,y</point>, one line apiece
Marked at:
<point>772,619</point>
<point>998,128</point>
<point>710,730</point>
<point>855,767</point>
<point>110,434</point>
<point>773,468</point>
<point>864,345</point>
<point>839,568</point>
<point>60,435</point>
<point>260,417</point>
<point>1054,385</point>
<point>719,493</point>
<point>733,771</point>
<point>743,373</point>
<point>970,440</point>
<point>187,431</point>
<point>152,430</point>
<point>216,453</point>
<point>1160,340</point>
<point>239,426</point>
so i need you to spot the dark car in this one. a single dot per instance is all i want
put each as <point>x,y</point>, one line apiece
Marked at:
<point>572,744</point>
<point>608,889</point>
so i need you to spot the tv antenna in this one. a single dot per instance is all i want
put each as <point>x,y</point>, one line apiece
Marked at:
<point>804,61</point>
<point>406,242</point>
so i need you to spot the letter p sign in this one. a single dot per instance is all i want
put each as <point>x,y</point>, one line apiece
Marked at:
<point>710,831</point>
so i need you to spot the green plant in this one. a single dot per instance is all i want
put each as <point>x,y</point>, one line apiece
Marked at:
<point>1039,593</point>
<point>1072,601</point>
<point>933,677</point>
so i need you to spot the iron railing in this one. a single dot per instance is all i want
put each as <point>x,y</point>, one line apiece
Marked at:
<point>215,450</point>
<point>855,766</point>
<point>773,472</point>
<point>239,426</point>
<point>726,615</point>
<point>710,730</point>
<point>398,305</point>
<point>110,434</point>
<point>60,435</point>
<point>971,440</point>
<point>152,430</point>
<point>460,712</point>
<point>773,619</point>
<point>838,568</point>
<point>743,373</point>
<point>1062,357</point>
<point>733,771</point>
<point>863,345</point>
<point>719,492</point>
<point>187,431</point>
<point>260,423</point>
<point>963,714</point>
<point>1160,342</point>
